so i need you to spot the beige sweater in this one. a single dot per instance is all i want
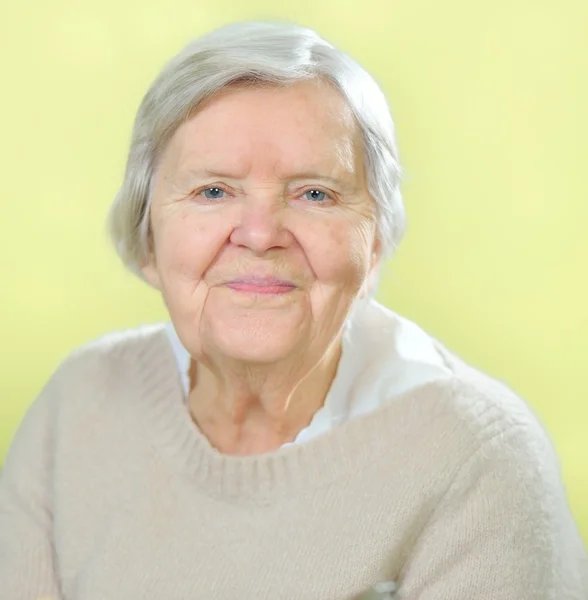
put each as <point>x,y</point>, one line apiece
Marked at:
<point>110,492</point>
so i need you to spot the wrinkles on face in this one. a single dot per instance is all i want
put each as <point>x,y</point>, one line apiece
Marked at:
<point>263,150</point>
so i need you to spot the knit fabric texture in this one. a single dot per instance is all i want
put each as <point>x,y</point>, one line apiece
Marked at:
<point>452,491</point>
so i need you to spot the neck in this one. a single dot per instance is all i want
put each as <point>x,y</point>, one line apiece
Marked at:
<point>246,409</point>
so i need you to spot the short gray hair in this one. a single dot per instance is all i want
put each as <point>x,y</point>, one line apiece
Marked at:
<point>258,53</point>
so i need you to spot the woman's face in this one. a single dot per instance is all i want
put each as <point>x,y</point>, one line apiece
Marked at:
<point>263,228</point>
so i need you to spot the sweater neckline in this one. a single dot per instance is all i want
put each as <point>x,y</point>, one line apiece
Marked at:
<point>382,355</point>
<point>258,478</point>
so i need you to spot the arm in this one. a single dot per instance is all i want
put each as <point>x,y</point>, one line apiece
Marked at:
<point>27,556</point>
<point>503,531</point>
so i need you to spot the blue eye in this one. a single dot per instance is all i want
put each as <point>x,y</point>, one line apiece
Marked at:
<point>213,193</point>
<point>315,195</point>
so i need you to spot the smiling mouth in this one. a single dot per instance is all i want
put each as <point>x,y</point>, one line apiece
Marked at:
<point>255,285</point>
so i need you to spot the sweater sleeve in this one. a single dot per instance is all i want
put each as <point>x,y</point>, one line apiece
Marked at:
<point>27,558</point>
<point>503,530</point>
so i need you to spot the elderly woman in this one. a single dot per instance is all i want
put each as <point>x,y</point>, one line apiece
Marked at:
<point>284,436</point>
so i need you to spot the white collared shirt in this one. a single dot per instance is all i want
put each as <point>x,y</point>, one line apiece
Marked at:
<point>383,355</point>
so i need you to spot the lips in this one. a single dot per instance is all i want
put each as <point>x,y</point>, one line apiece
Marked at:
<point>261,285</point>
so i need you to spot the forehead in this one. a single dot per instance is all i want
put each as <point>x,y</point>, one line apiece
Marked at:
<point>303,126</point>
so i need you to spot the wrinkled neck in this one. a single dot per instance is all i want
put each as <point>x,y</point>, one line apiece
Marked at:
<point>249,409</point>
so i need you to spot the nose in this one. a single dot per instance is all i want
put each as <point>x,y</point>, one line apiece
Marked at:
<point>261,226</point>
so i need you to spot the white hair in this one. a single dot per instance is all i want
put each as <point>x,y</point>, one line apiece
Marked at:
<point>256,53</point>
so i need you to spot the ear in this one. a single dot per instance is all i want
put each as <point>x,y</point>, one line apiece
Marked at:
<point>151,273</point>
<point>374,269</point>
<point>376,257</point>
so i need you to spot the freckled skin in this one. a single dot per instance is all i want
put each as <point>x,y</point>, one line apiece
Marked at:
<point>262,363</point>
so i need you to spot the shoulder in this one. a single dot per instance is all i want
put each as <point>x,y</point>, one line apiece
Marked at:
<point>87,385</point>
<point>485,404</point>
<point>463,411</point>
<point>494,429</point>
<point>483,443</point>
<point>511,472</point>
<point>120,342</point>
<point>417,374</point>
<point>503,498</point>
<point>113,349</point>
<point>100,368</point>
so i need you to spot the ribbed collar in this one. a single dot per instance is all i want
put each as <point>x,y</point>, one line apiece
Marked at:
<point>383,355</point>
<point>289,470</point>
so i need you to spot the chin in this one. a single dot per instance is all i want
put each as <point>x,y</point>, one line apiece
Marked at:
<point>263,349</point>
<point>255,344</point>
<point>257,336</point>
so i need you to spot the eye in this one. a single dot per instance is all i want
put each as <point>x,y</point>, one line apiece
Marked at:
<point>213,193</point>
<point>315,195</point>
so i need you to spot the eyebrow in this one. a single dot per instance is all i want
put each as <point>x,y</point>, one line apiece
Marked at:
<point>194,174</point>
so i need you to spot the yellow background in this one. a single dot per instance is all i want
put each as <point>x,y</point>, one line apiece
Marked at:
<point>491,105</point>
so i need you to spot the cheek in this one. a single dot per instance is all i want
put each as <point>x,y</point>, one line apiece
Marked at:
<point>188,245</point>
<point>339,251</point>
